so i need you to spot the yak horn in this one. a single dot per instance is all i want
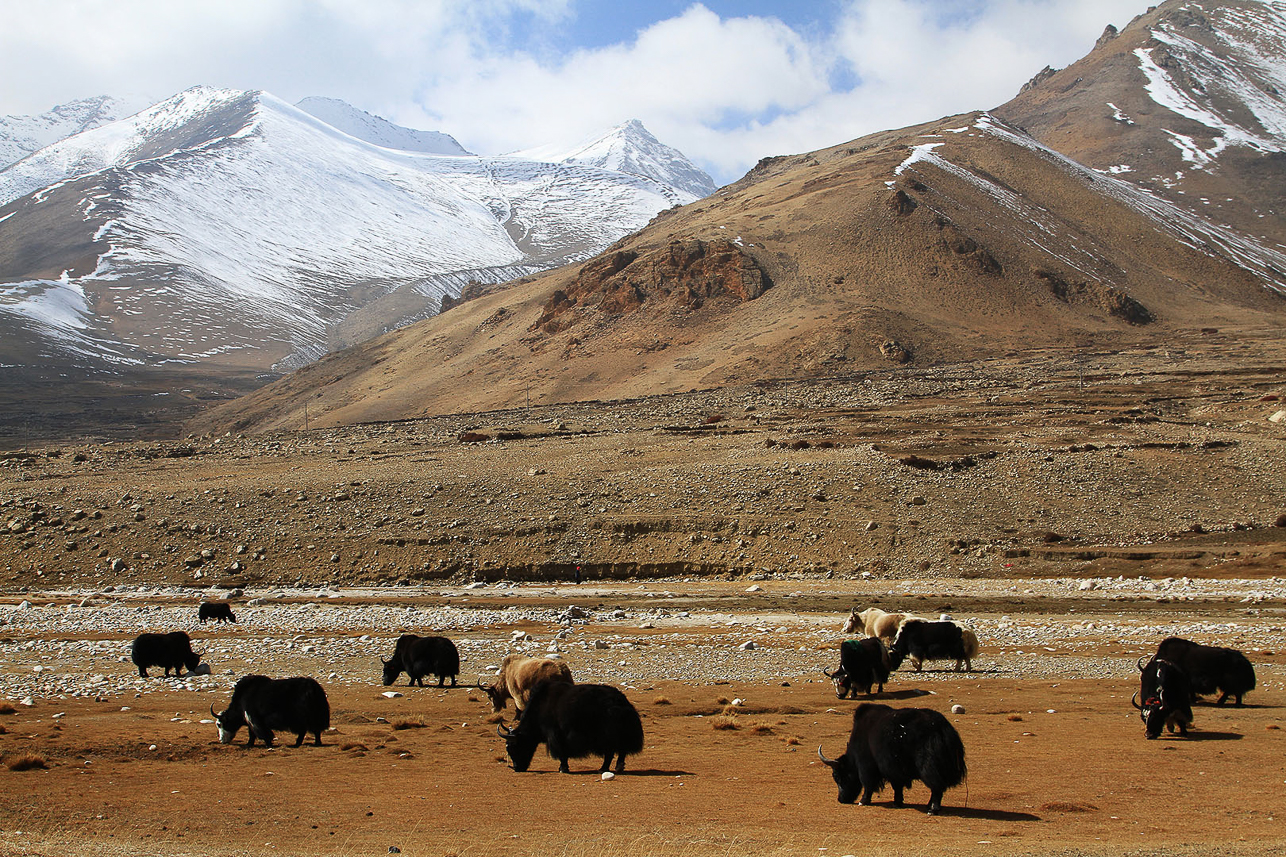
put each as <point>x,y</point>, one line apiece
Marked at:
<point>1134,700</point>
<point>1141,662</point>
<point>504,734</point>
<point>831,762</point>
<point>826,673</point>
<point>212,714</point>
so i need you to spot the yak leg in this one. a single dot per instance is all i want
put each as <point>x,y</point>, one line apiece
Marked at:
<point>917,663</point>
<point>935,802</point>
<point>897,795</point>
<point>620,763</point>
<point>317,738</point>
<point>607,763</point>
<point>562,765</point>
<point>299,739</point>
<point>865,799</point>
<point>142,672</point>
<point>442,681</point>
<point>453,681</point>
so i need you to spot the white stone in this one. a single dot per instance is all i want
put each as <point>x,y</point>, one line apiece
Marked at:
<point>608,775</point>
<point>390,694</point>
<point>957,709</point>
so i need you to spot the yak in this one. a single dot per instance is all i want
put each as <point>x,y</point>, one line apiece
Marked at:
<point>898,746</point>
<point>172,651</point>
<point>297,705</point>
<point>922,640</point>
<point>862,663</point>
<point>874,622</point>
<point>219,611</point>
<point>1167,698</point>
<point>519,674</point>
<point>421,656</point>
<point>574,721</point>
<point>1210,668</point>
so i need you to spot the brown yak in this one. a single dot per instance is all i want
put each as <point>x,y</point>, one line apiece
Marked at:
<point>519,674</point>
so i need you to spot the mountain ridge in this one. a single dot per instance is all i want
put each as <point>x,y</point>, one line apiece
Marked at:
<point>950,241</point>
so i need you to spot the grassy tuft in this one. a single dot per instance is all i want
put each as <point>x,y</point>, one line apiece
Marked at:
<point>724,721</point>
<point>407,724</point>
<point>26,762</point>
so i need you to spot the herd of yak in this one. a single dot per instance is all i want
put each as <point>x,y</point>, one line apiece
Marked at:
<point>887,746</point>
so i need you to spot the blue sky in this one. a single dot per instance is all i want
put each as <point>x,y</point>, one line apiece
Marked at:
<point>725,82</point>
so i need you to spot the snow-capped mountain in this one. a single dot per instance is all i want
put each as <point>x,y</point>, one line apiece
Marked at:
<point>1187,101</point>
<point>22,135</point>
<point>229,226</point>
<point>378,130</point>
<point>631,148</point>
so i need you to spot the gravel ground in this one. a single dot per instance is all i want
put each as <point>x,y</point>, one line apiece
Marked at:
<point>69,644</point>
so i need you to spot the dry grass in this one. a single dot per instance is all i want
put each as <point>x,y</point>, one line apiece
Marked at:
<point>723,700</point>
<point>494,717</point>
<point>26,762</point>
<point>1015,718</point>
<point>353,745</point>
<point>791,740</point>
<point>7,708</point>
<point>761,727</point>
<point>724,722</point>
<point>408,724</point>
<point>661,700</point>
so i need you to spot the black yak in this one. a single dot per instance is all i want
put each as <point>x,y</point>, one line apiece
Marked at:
<point>1210,668</point>
<point>421,656</point>
<point>264,704</point>
<point>574,721</point>
<point>897,746</point>
<point>172,651</point>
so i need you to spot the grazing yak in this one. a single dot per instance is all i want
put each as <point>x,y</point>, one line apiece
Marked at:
<point>874,622</point>
<point>922,640</point>
<point>1167,697</point>
<point>264,704</point>
<point>1210,668</point>
<point>220,611</point>
<point>862,663</point>
<point>421,656</point>
<point>172,651</point>
<point>519,675</point>
<point>574,721</point>
<point>898,746</point>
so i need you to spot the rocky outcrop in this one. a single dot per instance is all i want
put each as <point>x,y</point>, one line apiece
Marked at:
<point>686,273</point>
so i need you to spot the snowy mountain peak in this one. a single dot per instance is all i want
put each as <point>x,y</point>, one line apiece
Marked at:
<point>378,130</point>
<point>631,148</point>
<point>22,135</point>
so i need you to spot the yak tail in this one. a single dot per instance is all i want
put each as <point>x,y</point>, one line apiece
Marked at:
<point>943,756</point>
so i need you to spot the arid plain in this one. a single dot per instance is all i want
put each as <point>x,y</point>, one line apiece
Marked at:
<point>1075,509</point>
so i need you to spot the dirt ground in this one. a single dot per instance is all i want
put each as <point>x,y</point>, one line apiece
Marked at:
<point>1057,763</point>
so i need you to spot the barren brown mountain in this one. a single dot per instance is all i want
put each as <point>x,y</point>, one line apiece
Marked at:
<point>1128,199</point>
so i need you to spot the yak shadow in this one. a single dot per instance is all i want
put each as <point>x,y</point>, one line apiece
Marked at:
<point>960,811</point>
<point>595,772</point>
<point>1228,706</point>
<point>989,814</point>
<point>1195,735</point>
<point>911,693</point>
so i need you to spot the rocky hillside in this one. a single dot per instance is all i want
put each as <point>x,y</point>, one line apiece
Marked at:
<point>949,241</point>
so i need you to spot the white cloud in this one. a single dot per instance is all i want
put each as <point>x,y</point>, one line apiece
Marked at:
<point>726,91</point>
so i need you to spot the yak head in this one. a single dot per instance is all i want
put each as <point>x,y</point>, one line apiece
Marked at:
<point>521,747</point>
<point>392,669</point>
<point>845,774</point>
<point>229,723</point>
<point>843,684</point>
<point>853,622</point>
<point>497,693</point>
<point>1161,684</point>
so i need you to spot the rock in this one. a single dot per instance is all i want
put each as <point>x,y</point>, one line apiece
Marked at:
<point>755,588</point>
<point>957,709</point>
<point>602,644</point>
<point>608,775</point>
<point>390,694</point>
<point>748,646</point>
<point>1087,585</point>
